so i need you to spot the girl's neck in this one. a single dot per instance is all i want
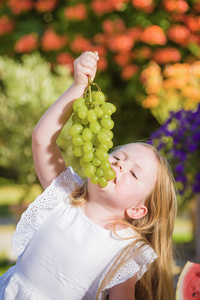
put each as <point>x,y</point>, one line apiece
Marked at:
<point>100,215</point>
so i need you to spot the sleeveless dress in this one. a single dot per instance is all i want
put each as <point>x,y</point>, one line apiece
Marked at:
<point>62,254</point>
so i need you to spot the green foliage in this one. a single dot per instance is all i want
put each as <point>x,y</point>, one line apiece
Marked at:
<point>27,89</point>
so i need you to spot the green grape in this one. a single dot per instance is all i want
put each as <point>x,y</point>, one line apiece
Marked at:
<point>77,103</point>
<point>96,162</point>
<point>95,140</point>
<point>109,174</point>
<point>108,108</point>
<point>103,182</point>
<point>90,170</point>
<point>87,134</point>
<point>84,121</point>
<point>88,156</point>
<point>104,146</point>
<point>99,172</point>
<point>105,165</point>
<point>75,129</point>
<point>107,123</point>
<point>101,154</point>
<point>93,96</point>
<point>98,111</point>
<point>77,140</point>
<point>82,111</point>
<point>78,151</point>
<point>99,97</point>
<point>92,117</point>
<point>88,147</point>
<point>109,132</point>
<point>103,138</point>
<point>82,163</point>
<point>95,127</point>
<point>95,179</point>
<point>110,144</point>
<point>76,119</point>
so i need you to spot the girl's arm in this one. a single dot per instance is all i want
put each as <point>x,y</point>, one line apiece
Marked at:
<point>48,159</point>
<point>124,291</point>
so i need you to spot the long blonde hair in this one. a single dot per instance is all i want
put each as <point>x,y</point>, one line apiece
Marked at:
<point>155,229</point>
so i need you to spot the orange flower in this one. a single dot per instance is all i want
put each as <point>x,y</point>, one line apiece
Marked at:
<point>20,6</point>
<point>128,71</point>
<point>67,59</point>
<point>135,32</point>
<point>122,58</point>
<point>27,43</point>
<point>179,6</point>
<point>115,26</point>
<point>164,56</point>
<point>193,23</point>
<point>78,12</point>
<point>80,44</point>
<point>120,42</point>
<point>154,35</point>
<point>107,6</point>
<point>151,101</point>
<point>45,5</point>
<point>146,5</point>
<point>152,78</point>
<point>6,25</point>
<point>143,53</point>
<point>179,34</point>
<point>177,70</point>
<point>53,42</point>
<point>102,64</point>
<point>100,38</point>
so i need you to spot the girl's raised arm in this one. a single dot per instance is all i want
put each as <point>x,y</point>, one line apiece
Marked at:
<point>48,159</point>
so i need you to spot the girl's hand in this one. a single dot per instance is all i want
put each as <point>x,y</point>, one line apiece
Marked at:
<point>84,66</point>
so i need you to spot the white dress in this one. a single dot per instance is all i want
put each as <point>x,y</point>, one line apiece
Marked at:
<point>61,253</point>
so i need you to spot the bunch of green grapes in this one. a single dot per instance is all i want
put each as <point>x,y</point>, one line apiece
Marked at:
<point>92,135</point>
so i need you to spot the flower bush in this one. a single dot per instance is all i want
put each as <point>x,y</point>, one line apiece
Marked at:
<point>179,139</point>
<point>176,86</point>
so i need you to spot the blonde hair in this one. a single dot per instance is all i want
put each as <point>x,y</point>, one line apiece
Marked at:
<point>154,229</point>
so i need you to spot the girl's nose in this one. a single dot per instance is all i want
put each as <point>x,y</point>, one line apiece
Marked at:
<point>119,164</point>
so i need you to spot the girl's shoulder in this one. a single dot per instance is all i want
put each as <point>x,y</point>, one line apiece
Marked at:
<point>41,208</point>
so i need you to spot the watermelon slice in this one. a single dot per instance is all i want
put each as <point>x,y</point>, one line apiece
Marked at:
<point>188,287</point>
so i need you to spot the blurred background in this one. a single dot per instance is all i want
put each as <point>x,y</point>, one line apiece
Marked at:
<point>149,68</point>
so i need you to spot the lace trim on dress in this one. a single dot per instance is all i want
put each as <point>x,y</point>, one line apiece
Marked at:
<point>39,210</point>
<point>139,264</point>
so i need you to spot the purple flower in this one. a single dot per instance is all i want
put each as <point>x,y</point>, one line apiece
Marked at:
<point>179,168</point>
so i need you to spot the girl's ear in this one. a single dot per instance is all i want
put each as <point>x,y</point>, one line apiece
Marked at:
<point>136,212</point>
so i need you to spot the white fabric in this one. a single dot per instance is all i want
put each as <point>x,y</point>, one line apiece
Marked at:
<point>63,254</point>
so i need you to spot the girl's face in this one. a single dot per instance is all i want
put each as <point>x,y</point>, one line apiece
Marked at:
<point>136,172</point>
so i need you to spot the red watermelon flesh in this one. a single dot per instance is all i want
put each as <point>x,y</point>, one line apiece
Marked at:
<point>188,287</point>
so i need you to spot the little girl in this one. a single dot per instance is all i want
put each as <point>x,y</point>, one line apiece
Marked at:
<point>81,241</point>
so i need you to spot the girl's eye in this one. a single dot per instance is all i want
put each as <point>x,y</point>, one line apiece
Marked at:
<point>132,173</point>
<point>115,157</point>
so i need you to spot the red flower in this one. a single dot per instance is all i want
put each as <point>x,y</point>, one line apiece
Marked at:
<point>6,25</point>
<point>102,64</point>
<point>107,6</point>
<point>20,6</point>
<point>45,5</point>
<point>53,42</point>
<point>78,12</point>
<point>27,43</point>
<point>193,23</point>
<point>179,6</point>
<point>120,42</point>
<point>135,32</point>
<point>167,55</point>
<point>154,35</point>
<point>179,34</point>
<point>122,58</point>
<point>146,5</point>
<point>115,26</point>
<point>100,38</point>
<point>67,59</point>
<point>143,53</point>
<point>128,71</point>
<point>80,44</point>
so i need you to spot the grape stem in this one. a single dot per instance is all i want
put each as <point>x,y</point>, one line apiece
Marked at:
<point>89,88</point>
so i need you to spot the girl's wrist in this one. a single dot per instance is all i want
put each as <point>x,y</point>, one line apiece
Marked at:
<point>79,88</point>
